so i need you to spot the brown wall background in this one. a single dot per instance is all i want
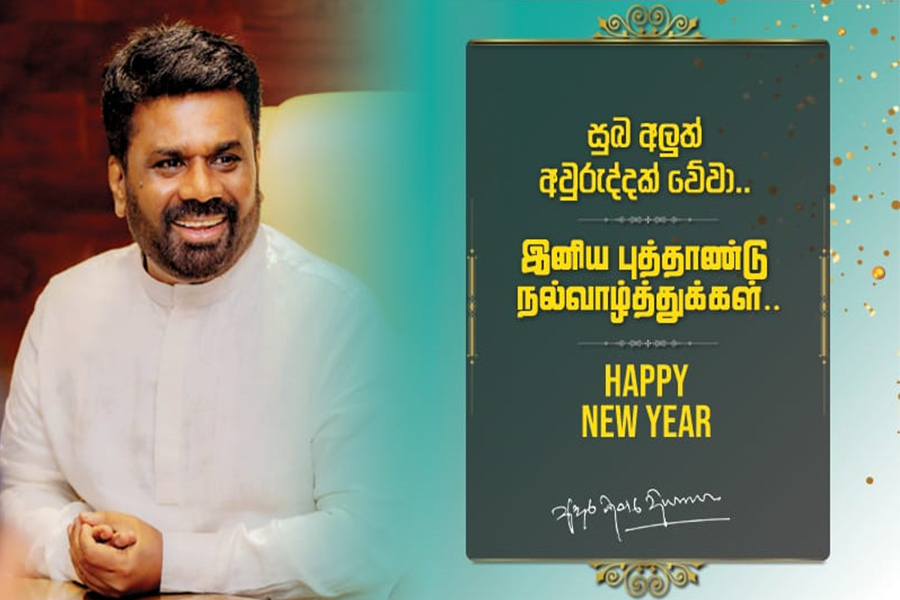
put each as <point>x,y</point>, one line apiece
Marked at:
<point>55,207</point>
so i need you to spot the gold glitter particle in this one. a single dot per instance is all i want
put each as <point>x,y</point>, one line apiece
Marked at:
<point>798,206</point>
<point>895,204</point>
<point>834,222</point>
<point>826,2</point>
<point>861,248</point>
<point>835,257</point>
<point>874,31</point>
<point>869,309</point>
<point>721,1</point>
<point>832,188</point>
<point>825,18</point>
<point>778,23</point>
<point>892,111</point>
<point>833,206</point>
<point>840,80</point>
<point>887,252</point>
<point>855,197</point>
<point>847,221</point>
<point>870,480</point>
<point>837,161</point>
<point>841,31</point>
<point>859,77</point>
<point>859,262</point>
<point>850,156</point>
<point>878,272</point>
<point>874,74</point>
<point>890,130</point>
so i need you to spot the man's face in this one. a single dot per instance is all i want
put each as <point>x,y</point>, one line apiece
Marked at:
<point>189,192</point>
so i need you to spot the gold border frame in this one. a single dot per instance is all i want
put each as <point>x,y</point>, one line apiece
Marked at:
<point>653,576</point>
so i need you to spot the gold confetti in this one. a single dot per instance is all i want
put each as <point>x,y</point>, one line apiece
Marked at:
<point>878,272</point>
<point>841,31</point>
<point>892,111</point>
<point>832,188</point>
<point>869,309</point>
<point>874,31</point>
<point>870,480</point>
<point>855,197</point>
<point>837,161</point>
<point>895,204</point>
<point>850,156</point>
<point>890,130</point>
<point>835,257</point>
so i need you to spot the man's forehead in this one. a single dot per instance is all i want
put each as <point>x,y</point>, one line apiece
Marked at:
<point>214,118</point>
<point>226,107</point>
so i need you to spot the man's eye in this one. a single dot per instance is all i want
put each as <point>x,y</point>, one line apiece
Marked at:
<point>226,160</point>
<point>168,164</point>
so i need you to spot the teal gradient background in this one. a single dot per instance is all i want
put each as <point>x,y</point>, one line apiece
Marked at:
<point>425,53</point>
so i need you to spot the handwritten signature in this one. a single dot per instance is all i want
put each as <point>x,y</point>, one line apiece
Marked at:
<point>576,515</point>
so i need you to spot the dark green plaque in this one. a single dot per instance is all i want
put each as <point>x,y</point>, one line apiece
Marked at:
<point>579,445</point>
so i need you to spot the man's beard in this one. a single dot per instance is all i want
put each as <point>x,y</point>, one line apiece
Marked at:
<point>188,262</point>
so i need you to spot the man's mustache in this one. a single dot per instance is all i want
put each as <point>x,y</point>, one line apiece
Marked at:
<point>195,208</point>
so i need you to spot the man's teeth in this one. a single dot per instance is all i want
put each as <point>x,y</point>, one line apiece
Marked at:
<point>200,224</point>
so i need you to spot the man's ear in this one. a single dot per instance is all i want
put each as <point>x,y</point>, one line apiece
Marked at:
<point>256,156</point>
<point>116,173</point>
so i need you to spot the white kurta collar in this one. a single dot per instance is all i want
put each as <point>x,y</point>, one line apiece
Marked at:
<point>204,294</point>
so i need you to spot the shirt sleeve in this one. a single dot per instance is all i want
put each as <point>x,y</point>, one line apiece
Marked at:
<point>34,496</point>
<point>346,547</point>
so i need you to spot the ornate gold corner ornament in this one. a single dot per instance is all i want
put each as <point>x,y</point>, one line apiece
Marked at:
<point>642,23</point>
<point>652,576</point>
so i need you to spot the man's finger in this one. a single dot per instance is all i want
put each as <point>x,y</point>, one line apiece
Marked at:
<point>123,539</point>
<point>102,533</point>
<point>96,556</point>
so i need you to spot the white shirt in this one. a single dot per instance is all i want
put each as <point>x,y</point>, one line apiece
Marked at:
<point>235,416</point>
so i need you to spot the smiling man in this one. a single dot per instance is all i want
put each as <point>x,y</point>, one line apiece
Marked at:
<point>195,412</point>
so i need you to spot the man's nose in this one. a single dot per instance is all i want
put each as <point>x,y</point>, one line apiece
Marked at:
<point>200,182</point>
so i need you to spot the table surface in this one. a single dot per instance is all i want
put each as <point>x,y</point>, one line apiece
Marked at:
<point>44,589</point>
